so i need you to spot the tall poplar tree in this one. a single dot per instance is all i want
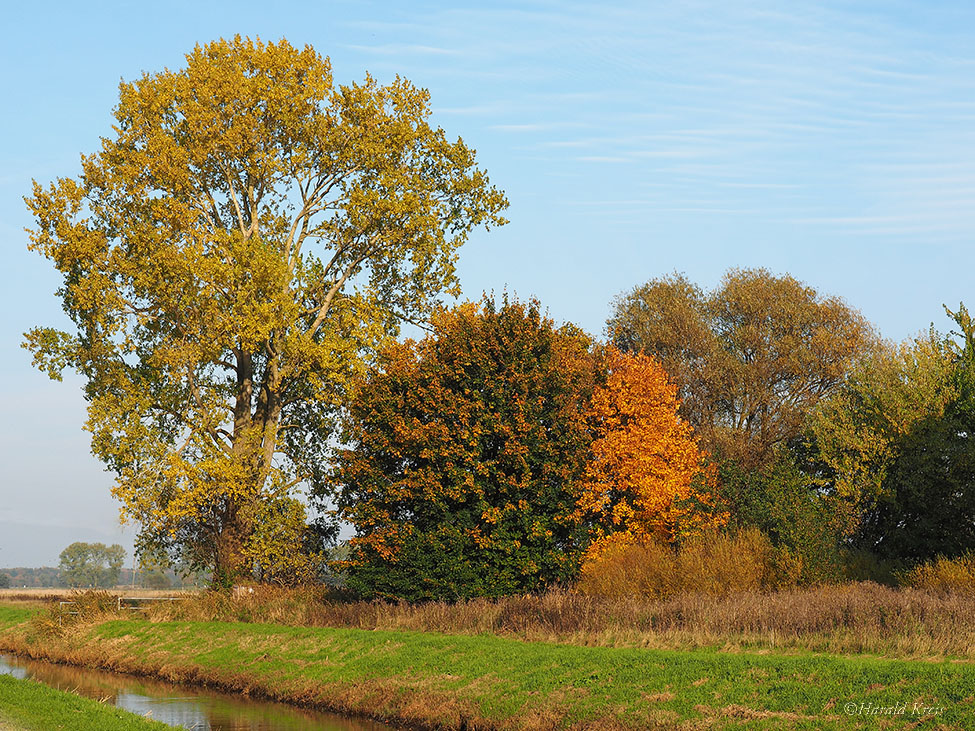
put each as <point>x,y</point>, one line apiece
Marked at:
<point>244,236</point>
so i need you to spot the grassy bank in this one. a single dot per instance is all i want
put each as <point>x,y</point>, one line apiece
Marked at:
<point>29,706</point>
<point>840,619</point>
<point>495,682</point>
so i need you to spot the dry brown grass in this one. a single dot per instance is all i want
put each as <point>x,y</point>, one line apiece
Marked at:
<point>717,564</point>
<point>847,618</point>
<point>932,619</point>
<point>14,595</point>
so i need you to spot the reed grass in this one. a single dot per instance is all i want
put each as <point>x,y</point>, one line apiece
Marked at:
<point>846,618</point>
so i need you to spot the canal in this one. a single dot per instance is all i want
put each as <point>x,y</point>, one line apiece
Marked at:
<point>182,706</point>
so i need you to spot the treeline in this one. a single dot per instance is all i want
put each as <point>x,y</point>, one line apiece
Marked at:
<point>503,453</point>
<point>32,578</point>
<point>238,283</point>
<point>46,577</point>
<point>86,565</point>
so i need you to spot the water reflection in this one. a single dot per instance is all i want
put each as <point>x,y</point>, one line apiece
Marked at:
<point>188,707</point>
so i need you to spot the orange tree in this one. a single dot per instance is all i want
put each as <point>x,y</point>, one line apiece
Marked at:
<point>647,479</point>
<point>463,454</point>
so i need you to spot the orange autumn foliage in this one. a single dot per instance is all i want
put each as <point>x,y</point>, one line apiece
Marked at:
<point>647,479</point>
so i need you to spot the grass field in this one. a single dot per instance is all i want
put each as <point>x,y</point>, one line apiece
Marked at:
<point>29,706</point>
<point>59,593</point>
<point>487,681</point>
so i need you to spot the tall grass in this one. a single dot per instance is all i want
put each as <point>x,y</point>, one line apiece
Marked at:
<point>709,595</point>
<point>844,618</point>
<point>717,564</point>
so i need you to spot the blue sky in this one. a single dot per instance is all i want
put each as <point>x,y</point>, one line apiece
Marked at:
<point>830,140</point>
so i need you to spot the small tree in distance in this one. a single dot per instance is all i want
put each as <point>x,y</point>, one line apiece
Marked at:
<point>91,564</point>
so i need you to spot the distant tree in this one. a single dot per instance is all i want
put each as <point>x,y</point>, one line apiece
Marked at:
<point>4,581</point>
<point>45,576</point>
<point>114,557</point>
<point>464,453</point>
<point>750,359</point>
<point>156,579</point>
<point>647,480</point>
<point>91,564</point>
<point>77,567</point>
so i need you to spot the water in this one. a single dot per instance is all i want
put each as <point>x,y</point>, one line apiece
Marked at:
<point>190,707</point>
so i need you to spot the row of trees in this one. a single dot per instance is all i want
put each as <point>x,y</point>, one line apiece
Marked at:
<point>501,453</point>
<point>237,262</point>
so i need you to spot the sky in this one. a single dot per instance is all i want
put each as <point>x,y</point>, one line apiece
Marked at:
<point>829,140</point>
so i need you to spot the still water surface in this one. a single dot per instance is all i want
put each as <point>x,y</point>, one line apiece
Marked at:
<point>182,706</point>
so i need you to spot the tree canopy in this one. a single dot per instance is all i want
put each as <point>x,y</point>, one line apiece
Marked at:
<point>647,479</point>
<point>229,255</point>
<point>91,564</point>
<point>464,450</point>
<point>750,358</point>
<point>898,441</point>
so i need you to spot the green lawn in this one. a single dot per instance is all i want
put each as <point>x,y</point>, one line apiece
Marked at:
<point>10,616</point>
<point>29,706</point>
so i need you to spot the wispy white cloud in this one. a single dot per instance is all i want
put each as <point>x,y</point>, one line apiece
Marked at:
<point>400,49</point>
<point>603,158</point>
<point>536,126</point>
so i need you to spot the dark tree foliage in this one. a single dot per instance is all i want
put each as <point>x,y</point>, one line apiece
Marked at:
<point>784,499</point>
<point>465,450</point>
<point>927,507</point>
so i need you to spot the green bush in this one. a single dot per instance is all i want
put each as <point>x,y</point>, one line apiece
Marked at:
<point>785,504</point>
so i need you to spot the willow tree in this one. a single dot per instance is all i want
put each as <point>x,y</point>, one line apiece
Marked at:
<point>230,257</point>
<point>750,358</point>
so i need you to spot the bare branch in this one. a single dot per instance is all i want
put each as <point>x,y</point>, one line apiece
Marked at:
<point>333,290</point>
<point>232,192</point>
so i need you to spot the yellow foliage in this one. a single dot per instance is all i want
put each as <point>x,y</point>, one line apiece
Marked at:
<point>708,563</point>
<point>955,575</point>
<point>230,257</point>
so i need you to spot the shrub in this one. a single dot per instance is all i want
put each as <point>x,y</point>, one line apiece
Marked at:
<point>948,575</point>
<point>716,564</point>
<point>464,451</point>
<point>861,565</point>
